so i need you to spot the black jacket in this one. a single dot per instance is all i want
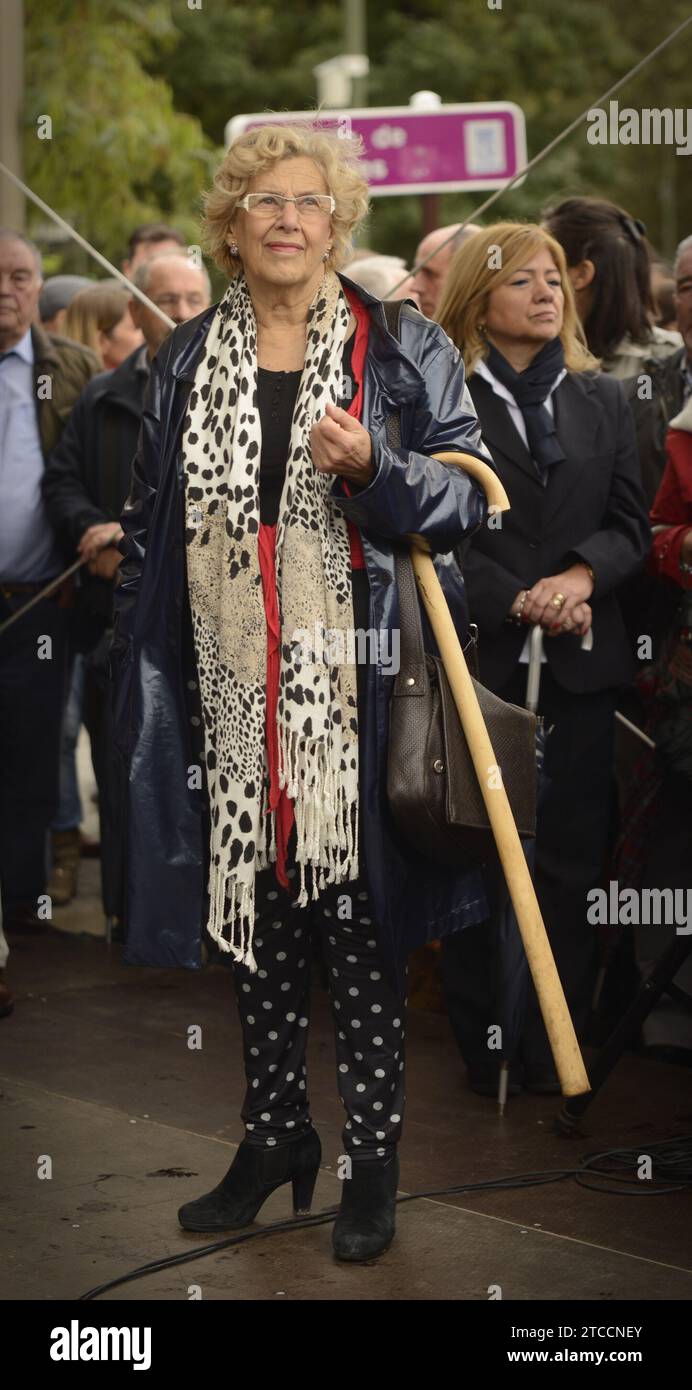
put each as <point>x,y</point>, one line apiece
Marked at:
<point>87,477</point>
<point>654,403</point>
<point>592,509</point>
<point>156,693</point>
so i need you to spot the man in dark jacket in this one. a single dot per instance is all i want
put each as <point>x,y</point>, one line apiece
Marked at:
<point>85,486</point>
<point>40,378</point>
<point>88,475</point>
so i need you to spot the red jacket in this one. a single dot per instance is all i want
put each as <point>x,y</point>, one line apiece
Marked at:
<point>672,506</point>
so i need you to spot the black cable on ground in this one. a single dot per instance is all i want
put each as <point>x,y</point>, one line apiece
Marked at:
<point>671,1171</point>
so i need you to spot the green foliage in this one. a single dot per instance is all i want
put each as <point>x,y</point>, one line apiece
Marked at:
<point>140,91</point>
<point>553,60</point>
<point>120,153</point>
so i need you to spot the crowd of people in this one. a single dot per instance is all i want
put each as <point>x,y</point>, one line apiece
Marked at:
<point>576,339</point>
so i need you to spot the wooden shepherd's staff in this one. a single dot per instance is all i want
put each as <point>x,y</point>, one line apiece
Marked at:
<point>565,1048</point>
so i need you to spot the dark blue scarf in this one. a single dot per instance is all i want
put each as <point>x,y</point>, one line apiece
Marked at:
<point>530,389</point>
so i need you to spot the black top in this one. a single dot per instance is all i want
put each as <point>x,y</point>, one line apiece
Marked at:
<point>276,399</point>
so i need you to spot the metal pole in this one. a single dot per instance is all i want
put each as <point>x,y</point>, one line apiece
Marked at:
<point>430,207</point>
<point>12,211</point>
<point>355,41</point>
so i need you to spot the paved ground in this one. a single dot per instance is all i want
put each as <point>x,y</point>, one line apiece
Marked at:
<point>96,1074</point>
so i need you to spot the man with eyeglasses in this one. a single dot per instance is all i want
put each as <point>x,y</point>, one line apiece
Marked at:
<point>85,486</point>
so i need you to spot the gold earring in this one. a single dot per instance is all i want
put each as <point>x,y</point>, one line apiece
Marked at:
<point>233,248</point>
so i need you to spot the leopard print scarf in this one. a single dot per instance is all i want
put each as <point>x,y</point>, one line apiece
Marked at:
<point>317,722</point>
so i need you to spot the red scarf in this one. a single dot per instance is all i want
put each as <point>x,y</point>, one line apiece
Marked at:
<point>279,801</point>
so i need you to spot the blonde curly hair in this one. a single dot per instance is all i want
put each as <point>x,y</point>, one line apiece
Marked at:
<point>473,275</point>
<point>337,154</point>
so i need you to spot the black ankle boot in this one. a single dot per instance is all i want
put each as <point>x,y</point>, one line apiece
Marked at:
<point>365,1225</point>
<point>253,1175</point>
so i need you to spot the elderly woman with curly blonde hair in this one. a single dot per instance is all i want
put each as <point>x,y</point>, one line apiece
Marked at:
<point>259,541</point>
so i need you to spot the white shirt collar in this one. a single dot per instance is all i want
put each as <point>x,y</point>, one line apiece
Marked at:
<point>24,348</point>
<point>499,387</point>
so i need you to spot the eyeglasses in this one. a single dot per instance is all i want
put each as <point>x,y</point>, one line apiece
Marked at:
<point>269,205</point>
<point>20,279</point>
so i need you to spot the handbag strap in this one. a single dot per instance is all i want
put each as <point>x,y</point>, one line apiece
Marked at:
<point>412,677</point>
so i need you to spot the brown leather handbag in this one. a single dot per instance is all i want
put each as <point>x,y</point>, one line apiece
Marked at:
<point>432,788</point>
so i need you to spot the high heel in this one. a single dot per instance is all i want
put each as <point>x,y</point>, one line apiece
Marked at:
<point>303,1188</point>
<point>253,1175</point>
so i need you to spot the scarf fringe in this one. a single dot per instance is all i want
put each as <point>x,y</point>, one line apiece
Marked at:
<point>266,842</point>
<point>326,816</point>
<point>242,916</point>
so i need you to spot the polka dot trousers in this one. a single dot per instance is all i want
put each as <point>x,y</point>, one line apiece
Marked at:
<point>274,1006</point>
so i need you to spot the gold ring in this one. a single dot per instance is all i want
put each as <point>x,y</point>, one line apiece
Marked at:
<point>557,600</point>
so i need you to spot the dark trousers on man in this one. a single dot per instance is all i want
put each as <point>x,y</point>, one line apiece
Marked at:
<point>575,822</point>
<point>33,672</point>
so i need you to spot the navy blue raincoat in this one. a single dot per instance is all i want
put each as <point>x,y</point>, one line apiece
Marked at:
<point>155,700</point>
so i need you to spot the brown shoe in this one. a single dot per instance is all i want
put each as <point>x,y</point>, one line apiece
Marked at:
<point>66,850</point>
<point>6,997</point>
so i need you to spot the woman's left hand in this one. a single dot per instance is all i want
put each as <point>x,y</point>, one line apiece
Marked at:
<point>577,622</point>
<point>341,445</point>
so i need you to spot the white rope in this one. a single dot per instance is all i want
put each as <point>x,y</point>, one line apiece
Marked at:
<point>81,241</point>
<point>521,173</point>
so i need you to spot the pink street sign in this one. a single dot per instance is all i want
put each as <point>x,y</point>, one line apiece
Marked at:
<point>473,145</point>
